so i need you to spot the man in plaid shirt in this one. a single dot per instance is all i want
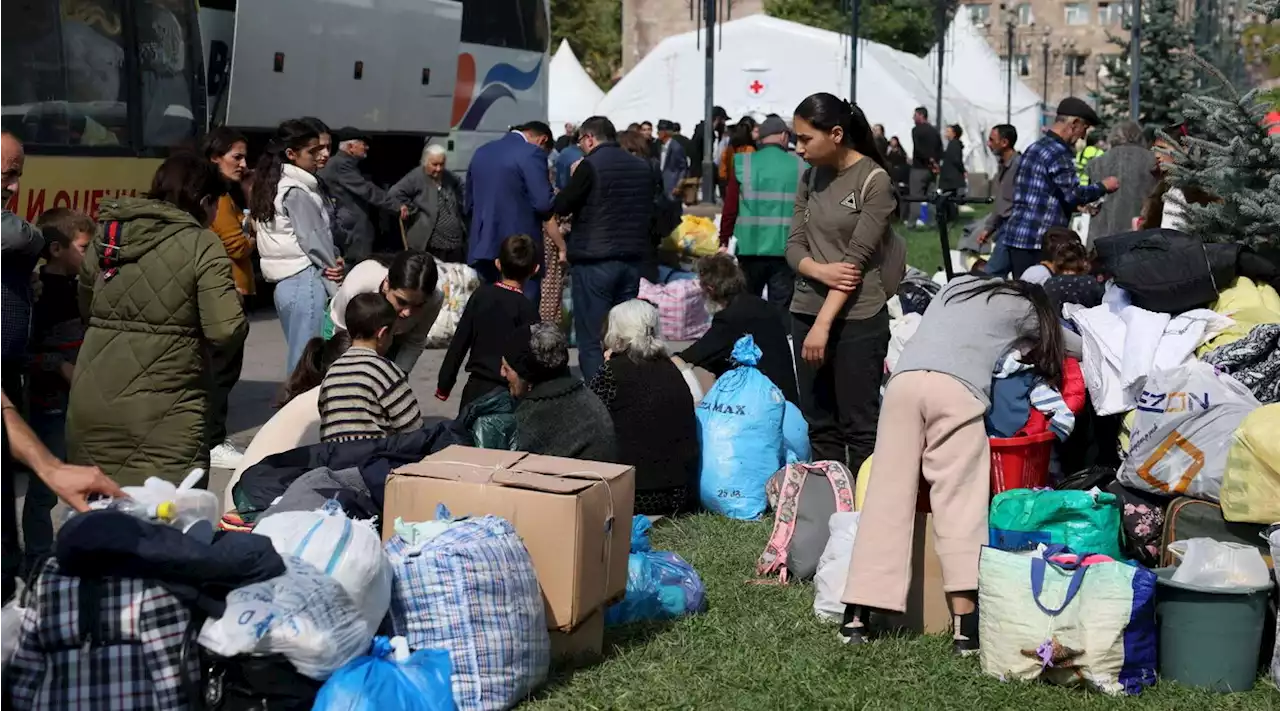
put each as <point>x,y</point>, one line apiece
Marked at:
<point>1048,191</point>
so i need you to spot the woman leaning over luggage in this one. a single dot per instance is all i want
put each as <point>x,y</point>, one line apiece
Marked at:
<point>932,427</point>
<point>161,301</point>
<point>295,243</point>
<point>847,261</point>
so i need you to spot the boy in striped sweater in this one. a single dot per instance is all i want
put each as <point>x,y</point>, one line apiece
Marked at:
<point>364,395</point>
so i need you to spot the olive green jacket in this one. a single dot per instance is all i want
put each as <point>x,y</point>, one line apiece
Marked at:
<point>164,307</point>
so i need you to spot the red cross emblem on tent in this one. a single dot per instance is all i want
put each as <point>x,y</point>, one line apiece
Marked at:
<point>756,87</point>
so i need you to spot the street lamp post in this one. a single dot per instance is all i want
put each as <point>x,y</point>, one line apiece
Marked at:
<point>1044,69</point>
<point>708,130</point>
<point>1009,26</point>
<point>1070,55</point>
<point>855,18</point>
<point>1135,59</point>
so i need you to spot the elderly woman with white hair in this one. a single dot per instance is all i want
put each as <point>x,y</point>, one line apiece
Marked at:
<point>652,410</point>
<point>435,224</point>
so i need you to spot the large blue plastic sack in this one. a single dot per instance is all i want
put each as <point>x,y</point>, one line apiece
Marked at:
<point>795,435</point>
<point>379,683</point>
<point>660,585</point>
<point>740,430</point>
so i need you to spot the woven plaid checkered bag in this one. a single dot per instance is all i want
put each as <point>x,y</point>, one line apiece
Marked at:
<point>682,309</point>
<point>103,644</point>
<point>472,590</point>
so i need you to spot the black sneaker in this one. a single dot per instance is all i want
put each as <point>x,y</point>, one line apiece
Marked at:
<point>965,641</point>
<point>855,627</point>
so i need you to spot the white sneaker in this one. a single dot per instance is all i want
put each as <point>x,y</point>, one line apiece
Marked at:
<point>225,456</point>
<point>920,224</point>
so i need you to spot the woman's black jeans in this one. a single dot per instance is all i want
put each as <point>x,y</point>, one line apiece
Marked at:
<point>841,399</point>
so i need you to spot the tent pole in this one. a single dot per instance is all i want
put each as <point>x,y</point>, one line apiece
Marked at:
<point>854,12</point>
<point>708,128</point>
<point>942,51</point>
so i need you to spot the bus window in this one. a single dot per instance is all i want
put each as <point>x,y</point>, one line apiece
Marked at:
<point>63,73</point>
<point>513,24</point>
<point>166,69</point>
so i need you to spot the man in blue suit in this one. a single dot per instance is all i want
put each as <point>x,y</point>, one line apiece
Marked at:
<point>671,158</point>
<point>508,193</point>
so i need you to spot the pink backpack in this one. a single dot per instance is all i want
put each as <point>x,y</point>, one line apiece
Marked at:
<point>785,543</point>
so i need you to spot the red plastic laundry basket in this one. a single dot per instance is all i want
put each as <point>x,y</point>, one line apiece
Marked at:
<point>1020,462</point>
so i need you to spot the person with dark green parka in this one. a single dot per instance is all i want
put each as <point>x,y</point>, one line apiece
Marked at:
<point>162,307</point>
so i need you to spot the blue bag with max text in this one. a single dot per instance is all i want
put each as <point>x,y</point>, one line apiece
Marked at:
<point>740,430</point>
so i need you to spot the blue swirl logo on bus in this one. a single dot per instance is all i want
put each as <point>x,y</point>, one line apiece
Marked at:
<point>500,82</point>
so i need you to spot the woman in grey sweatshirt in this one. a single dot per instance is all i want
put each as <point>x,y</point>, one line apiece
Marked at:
<point>931,427</point>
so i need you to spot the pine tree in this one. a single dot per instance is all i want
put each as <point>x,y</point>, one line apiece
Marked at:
<point>594,30</point>
<point>1232,154</point>
<point>906,25</point>
<point>1166,77</point>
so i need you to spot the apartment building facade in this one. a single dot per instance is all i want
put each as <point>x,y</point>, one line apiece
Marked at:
<point>1060,47</point>
<point>645,23</point>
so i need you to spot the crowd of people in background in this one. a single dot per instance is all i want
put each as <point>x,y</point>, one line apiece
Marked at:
<point>138,335</point>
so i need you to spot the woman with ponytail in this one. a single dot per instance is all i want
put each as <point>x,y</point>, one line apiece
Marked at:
<point>848,262</point>
<point>295,243</point>
<point>932,427</point>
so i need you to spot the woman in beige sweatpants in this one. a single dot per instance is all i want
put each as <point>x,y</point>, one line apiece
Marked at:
<point>932,425</point>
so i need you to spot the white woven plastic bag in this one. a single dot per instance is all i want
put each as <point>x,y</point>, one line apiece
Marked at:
<point>348,551</point>
<point>304,615</point>
<point>457,282</point>
<point>833,566</point>
<point>1183,429</point>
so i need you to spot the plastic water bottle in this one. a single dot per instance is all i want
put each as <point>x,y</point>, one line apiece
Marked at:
<point>162,512</point>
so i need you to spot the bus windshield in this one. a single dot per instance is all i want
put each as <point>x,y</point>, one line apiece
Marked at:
<point>116,77</point>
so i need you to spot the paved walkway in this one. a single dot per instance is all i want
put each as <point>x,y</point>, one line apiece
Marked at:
<point>253,399</point>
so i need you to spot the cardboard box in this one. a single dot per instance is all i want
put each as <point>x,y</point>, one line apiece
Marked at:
<point>573,515</point>
<point>927,610</point>
<point>584,643</point>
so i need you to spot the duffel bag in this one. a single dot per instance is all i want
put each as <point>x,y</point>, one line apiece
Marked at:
<point>1168,271</point>
<point>1022,519</point>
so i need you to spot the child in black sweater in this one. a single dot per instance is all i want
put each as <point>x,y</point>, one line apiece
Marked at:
<point>492,314</point>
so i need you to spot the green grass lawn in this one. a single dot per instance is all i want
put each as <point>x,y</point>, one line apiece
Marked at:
<point>761,647</point>
<point>924,250</point>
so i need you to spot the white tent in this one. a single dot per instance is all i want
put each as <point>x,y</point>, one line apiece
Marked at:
<point>573,94</point>
<point>978,73</point>
<point>766,65</point>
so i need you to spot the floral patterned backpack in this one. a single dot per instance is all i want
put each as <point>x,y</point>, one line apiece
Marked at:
<point>800,528</point>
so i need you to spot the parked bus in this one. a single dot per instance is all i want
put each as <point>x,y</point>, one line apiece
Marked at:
<point>100,91</point>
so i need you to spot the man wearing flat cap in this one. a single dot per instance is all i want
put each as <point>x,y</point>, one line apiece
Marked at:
<point>759,199</point>
<point>1047,191</point>
<point>357,199</point>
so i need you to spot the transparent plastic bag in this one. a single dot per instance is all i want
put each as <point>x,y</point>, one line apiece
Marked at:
<point>660,585</point>
<point>390,679</point>
<point>833,566</point>
<point>11,616</point>
<point>1218,564</point>
<point>304,614</point>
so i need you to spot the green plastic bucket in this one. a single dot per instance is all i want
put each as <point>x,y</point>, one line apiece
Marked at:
<point>1210,638</point>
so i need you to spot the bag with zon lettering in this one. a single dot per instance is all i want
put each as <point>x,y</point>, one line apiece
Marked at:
<point>1183,429</point>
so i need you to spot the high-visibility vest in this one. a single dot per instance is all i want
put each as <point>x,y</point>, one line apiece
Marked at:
<point>1082,162</point>
<point>767,181</point>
